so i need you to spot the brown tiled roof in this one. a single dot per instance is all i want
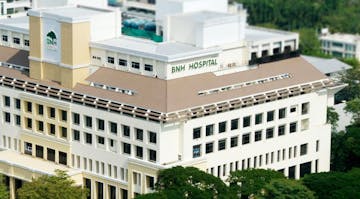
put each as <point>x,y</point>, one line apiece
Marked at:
<point>14,56</point>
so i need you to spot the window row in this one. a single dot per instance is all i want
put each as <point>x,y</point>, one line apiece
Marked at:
<point>45,153</point>
<point>15,40</point>
<point>124,62</point>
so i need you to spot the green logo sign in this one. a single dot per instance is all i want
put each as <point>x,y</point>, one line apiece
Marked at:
<point>194,65</point>
<point>51,40</point>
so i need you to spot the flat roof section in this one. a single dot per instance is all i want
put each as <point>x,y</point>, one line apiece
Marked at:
<point>165,51</point>
<point>327,66</point>
<point>254,34</point>
<point>16,24</point>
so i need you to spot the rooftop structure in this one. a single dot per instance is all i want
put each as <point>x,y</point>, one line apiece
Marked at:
<point>114,109</point>
<point>330,67</point>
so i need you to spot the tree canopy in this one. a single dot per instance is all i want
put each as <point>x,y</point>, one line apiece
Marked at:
<point>4,193</point>
<point>59,186</point>
<point>353,107</point>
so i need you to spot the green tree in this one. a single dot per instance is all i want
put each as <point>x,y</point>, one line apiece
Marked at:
<point>4,193</point>
<point>309,42</point>
<point>334,185</point>
<point>332,117</point>
<point>59,186</point>
<point>285,189</point>
<point>353,107</point>
<point>352,78</point>
<point>179,182</point>
<point>251,181</point>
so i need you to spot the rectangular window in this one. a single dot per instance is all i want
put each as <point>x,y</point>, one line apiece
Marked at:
<point>234,141</point>
<point>269,133</point>
<point>7,101</point>
<point>29,107</point>
<point>196,133</point>
<point>40,126</point>
<point>63,115</point>
<point>209,130</point>
<point>135,65</point>
<point>246,121</point>
<point>234,124</point>
<point>51,154</point>
<point>222,127</point>
<point>76,118</point>
<point>26,42</point>
<point>222,144</point>
<point>258,118</point>
<point>152,155</point>
<point>51,112</point>
<point>292,109</point>
<point>303,149</point>
<point>110,60</point>
<point>209,147</point>
<point>126,148</point>
<point>152,137</point>
<point>122,62</point>
<point>270,116</point>
<point>282,113</point>
<point>113,127</point>
<point>139,134</point>
<point>293,127</point>
<point>40,109</point>
<point>100,124</point>
<point>88,138</point>
<point>39,151</point>
<point>246,138</point>
<point>258,135</point>
<point>139,152</point>
<point>52,129</point>
<point>100,140</point>
<point>88,121</point>
<point>62,158</point>
<point>5,38</point>
<point>17,104</point>
<point>29,123</point>
<point>76,135</point>
<point>18,120</point>
<point>317,145</point>
<point>281,130</point>
<point>305,108</point>
<point>16,40</point>
<point>148,67</point>
<point>126,131</point>
<point>27,148</point>
<point>196,151</point>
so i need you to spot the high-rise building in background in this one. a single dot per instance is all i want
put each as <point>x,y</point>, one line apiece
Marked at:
<point>102,98</point>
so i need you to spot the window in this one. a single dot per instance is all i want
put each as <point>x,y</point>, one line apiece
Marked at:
<point>52,130</point>
<point>62,158</point>
<point>126,148</point>
<point>221,144</point>
<point>7,101</point>
<point>139,152</point>
<point>29,107</point>
<point>209,130</point>
<point>317,145</point>
<point>100,140</point>
<point>293,127</point>
<point>305,108</point>
<point>88,121</point>
<point>40,109</point>
<point>135,65</point>
<point>40,126</point>
<point>76,135</point>
<point>246,138</point>
<point>150,183</point>
<point>282,113</point>
<point>269,133</point>
<point>17,104</point>
<point>110,60</point>
<point>28,148</point>
<point>113,127</point>
<point>29,123</point>
<point>246,121</point>
<point>88,138</point>
<point>76,118</point>
<point>39,151</point>
<point>152,137</point>
<point>234,141</point>
<point>222,127</point>
<point>303,149</point>
<point>52,112</point>
<point>196,151</point>
<point>139,134</point>
<point>26,42</point>
<point>100,124</point>
<point>209,147</point>
<point>51,154</point>
<point>292,109</point>
<point>122,62</point>
<point>281,130</point>
<point>258,118</point>
<point>196,133</point>
<point>258,135</point>
<point>5,38</point>
<point>148,67</point>
<point>270,116</point>
<point>126,130</point>
<point>18,120</point>
<point>234,124</point>
<point>16,40</point>
<point>7,117</point>
<point>63,115</point>
<point>152,155</point>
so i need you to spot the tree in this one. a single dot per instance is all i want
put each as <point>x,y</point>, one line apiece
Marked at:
<point>309,42</point>
<point>4,193</point>
<point>251,181</point>
<point>334,185</point>
<point>353,107</point>
<point>332,117</point>
<point>352,78</point>
<point>179,182</point>
<point>59,186</point>
<point>285,189</point>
